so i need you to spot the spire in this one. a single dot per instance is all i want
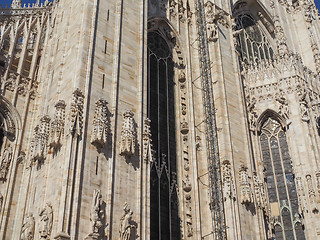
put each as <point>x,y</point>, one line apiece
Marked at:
<point>16,4</point>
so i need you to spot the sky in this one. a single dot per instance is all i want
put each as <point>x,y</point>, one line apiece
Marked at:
<point>4,2</point>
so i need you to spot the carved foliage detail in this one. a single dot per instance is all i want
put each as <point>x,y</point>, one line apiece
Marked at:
<point>128,136</point>
<point>40,139</point>
<point>76,113</point>
<point>101,123</point>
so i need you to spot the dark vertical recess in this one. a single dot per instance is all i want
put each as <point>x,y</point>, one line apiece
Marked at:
<point>164,216</point>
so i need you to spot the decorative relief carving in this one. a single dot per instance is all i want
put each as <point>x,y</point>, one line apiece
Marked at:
<point>46,220</point>
<point>260,192</point>
<point>76,113</point>
<point>147,142</point>
<point>227,181</point>
<point>281,39</point>
<point>302,96</point>
<point>252,113</point>
<point>245,187</point>
<point>126,225</point>
<point>101,124</point>
<point>128,135</point>
<point>6,159</point>
<point>39,144</point>
<point>212,28</point>
<point>311,191</point>
<point>57,125</point>
<point>27,231</point>
<point>96,215</point>
<point>284,105</point>
<point>300,191</point>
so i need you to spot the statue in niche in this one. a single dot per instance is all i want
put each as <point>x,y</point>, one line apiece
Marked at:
<point>284,106</point>
<point>27,231</point>
<point>302,95</point>
<point>46,219</point>
<point>95,215</point>
<point>5,163</point>
<point>125,225</point>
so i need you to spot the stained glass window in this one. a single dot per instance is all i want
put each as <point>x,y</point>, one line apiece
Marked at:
<point>164,218</point>
<point>253,43</point>
<point>279,177</point>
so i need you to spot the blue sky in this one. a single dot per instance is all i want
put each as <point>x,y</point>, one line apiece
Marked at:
<point>3,2</point>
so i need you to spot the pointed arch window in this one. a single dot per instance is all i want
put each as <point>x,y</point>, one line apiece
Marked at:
<point>253,43</point>
<point>164,218</point>
<point>279,177</point>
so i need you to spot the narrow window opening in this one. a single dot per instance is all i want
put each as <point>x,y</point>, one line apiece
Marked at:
<point>105,46</point>
<point>97,165</point>
<point>103,78</point>
<point>108,15</point>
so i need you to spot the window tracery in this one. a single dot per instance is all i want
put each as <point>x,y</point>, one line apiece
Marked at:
<point>253,43</point>
<point>279,178</point>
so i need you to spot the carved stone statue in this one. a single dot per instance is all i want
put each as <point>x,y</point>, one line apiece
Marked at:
<point>46,220</point>
<point>5,163</point>
<point>125,225</point>
<point>95,215</point>
<point>27,231</point>
<point>302,95</point>
<point>245,186</point>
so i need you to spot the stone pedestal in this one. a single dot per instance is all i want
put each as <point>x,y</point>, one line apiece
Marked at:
<point>62,236</point>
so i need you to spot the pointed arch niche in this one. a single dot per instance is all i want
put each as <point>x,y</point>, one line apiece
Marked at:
<point>164,213</point>
<point>283,205</point>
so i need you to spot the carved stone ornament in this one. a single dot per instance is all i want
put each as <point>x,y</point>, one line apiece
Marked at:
<point>252,113</point>
<point>311,191</point>
<point>101,123</point>
<point>302,96</point>
<point>57,125</point>
<point>126,223</point>
<point>128,136</point>
<point>46,220</point>
<point>27,231</point>
<point>281,39</point>
<point>6,159</point>
<point>245,187</point>
<point>260,192</point>
<point>284,106</point>
<point>76,113</point>
<point>95,215</point>
<point>147,142</point>
<point>212,28</point>
<point>227,181</point>
<point>39,142</point>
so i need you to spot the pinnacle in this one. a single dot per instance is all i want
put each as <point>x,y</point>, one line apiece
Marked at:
<point>16,4</point>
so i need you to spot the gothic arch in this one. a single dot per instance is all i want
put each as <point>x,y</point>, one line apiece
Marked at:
<point>10,119</point>
<point>271,114</point>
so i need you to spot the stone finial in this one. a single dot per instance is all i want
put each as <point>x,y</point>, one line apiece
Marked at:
<point>16,4</point>
<point>128,137</point>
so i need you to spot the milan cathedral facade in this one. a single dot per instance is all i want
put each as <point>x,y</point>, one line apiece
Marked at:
<point>160,119</point>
